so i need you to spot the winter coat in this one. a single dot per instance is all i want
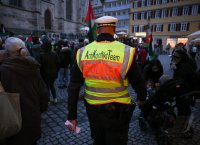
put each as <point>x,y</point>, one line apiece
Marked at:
<point>65,57</point>
<point>49,65</point>
<point>185,72</point>
<point>21,75</point>
<point>36,50</point>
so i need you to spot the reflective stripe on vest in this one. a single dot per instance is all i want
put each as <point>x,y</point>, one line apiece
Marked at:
<point>116,91</point>
<point>105,98</point>
<point>80,51</point>
<point>106,90</point>
<point>125,62</point>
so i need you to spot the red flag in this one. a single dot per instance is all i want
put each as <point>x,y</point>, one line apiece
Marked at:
<point>90,20</point>
<point>90,13</point>
<point>30,38</point>
<point>29,41</point>
<point>148,39</point>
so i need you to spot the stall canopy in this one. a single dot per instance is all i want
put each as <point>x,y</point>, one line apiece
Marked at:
<point>121,33</point>
<point>197,40</point>
<point>85,29</point>
<point>194,35</point>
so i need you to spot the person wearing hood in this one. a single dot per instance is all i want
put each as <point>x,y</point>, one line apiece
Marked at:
<point>20,73</point>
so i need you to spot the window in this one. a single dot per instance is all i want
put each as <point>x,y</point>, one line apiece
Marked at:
<point>148,14</point>
<point>142,15</point>
<point>118,13</point>
<point>119,3</point>
<point>17,3</point>
<point>47,19</point>
<point>141,28</point>
<point>135,4</point>
<point>164,13</point>
<point>173,27</point>
<point>135,28</point>
<point>158,2</point>
<point>127,22</point>
<point>174,12</point>
<point>148,2</point>
<point>183,26</point>
<point>114,4</point>
<point>118,23</point>
<point>185,11</point>
<point>194,9</point>
<point>135,16</point>
<point>158,27</point>
<point>68,9</point>
<point>127,2</point>
<point>143,3</point>
<point>157,15</point>
<point>164,1</point>
<point>114,13</point>
<point>123,12</point>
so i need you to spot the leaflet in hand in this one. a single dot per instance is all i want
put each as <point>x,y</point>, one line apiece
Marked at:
<point>77,128</point>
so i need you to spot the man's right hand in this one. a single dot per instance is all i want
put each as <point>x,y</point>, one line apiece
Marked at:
<point>73,125</point>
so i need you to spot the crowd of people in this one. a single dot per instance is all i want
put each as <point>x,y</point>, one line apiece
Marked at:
<point>31,72</point>
<point>108,104</point>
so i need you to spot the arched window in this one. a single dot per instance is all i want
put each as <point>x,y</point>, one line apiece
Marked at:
<point>69,9</point>
<point>47,17</point>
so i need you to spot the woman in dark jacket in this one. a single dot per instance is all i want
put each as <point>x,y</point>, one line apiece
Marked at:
<point>19,73</point>
<point>49,68</point>
<point>183,69</point>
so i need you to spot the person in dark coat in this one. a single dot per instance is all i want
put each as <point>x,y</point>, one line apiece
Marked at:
<point>64,61</point>
<point>153,71</point>
<point>49,68</point>
<point>184,69</point>
<point>1,44</point>
<point>36,48</point>
<point>141,57</point>
<point>20,73</point>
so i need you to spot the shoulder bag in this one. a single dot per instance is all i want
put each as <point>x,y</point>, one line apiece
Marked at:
<point>10,113</point>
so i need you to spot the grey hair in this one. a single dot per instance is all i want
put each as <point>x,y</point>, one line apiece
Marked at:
<point>13,46</point>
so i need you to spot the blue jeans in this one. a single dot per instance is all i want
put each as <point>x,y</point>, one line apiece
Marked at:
<point>63,77</point>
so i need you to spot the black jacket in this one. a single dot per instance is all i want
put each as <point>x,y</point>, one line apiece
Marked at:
<point>49,65</point>
<point>21,75</point>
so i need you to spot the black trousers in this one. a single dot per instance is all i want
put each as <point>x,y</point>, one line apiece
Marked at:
<point>109,123</point>
<point>50,86</point>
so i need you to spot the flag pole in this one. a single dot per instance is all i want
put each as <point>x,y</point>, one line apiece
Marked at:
<point>89,19</point>
<point>149,39</point>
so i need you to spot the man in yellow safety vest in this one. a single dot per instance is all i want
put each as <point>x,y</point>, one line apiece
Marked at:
<point>106,67</point>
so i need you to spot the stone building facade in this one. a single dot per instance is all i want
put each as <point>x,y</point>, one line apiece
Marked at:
<point>42,16</point>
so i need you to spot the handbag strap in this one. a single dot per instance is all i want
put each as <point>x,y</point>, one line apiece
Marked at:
<point>1,88</point>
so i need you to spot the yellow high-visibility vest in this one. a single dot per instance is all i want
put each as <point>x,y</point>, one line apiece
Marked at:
<point>104,66</point>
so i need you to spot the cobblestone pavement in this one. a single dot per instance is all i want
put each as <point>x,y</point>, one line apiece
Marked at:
<point>54,132</point>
